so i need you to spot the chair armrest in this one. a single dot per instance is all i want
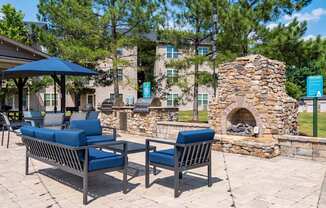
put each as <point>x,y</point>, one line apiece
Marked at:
<point>161,142</point>
<point>107,127</point>
<point>103,144</point>
<point>114,130</point>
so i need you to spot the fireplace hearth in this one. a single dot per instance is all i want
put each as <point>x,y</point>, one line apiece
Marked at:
<point>251,99</point>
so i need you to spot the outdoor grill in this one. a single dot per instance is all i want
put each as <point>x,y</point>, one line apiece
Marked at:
<point>106,105</point>
<point>142,105</point>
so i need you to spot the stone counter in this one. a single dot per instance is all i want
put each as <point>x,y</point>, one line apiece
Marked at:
<point>124,119</point>
<point>303,147</point>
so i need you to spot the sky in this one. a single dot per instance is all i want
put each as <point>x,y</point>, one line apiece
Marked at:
<point>314,14</point>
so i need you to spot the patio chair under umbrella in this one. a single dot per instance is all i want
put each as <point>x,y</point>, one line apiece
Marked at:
<point>53,67</point>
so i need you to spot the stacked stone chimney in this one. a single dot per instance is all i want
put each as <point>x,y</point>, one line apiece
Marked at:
<point>251,89</point>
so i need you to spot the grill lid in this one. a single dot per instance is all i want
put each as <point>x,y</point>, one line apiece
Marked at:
<point>142,105</point>
<point>107,105</point>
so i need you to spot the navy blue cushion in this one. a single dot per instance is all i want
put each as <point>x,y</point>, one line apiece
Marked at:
<point>163,157</point>
<point>187,137</point>
<point>99,139</point>
<point>28,131</point>
<point>167,151</point>
<point>44,134</point>
<point>74,138</point>
<point>101,160</point>
<point>90,127</point>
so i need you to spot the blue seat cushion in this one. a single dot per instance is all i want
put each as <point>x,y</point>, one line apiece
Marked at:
<point>192,136</point>
<point>102,160</point>
<point>44,134</point>
<point>90,127</point>
<point>163,157</point>
<point>74,138</point>
<point>98,139</point>
<point>167,151</point>
<point>28,131</point>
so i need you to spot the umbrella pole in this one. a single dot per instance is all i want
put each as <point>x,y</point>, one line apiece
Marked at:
<point>55,95</point>
<point>63,93</point>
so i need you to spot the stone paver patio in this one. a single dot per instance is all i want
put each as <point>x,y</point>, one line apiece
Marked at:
<point>277,183</point>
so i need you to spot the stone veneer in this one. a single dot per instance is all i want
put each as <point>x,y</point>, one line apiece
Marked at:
<point>302,147</point>
<point>256,84</point>
<point>171,129</point>
<point>138,123</point>
<point>258,147</point>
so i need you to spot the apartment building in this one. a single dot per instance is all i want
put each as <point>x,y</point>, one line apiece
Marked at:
<point>94,94</point>
<point>174,94</point>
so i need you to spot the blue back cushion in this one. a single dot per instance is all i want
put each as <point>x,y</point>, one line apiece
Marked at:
<point>28,131</point>
<point>74,138</point>
<point>201,135</point>
<point>90,127</point>
<point>44,134</point>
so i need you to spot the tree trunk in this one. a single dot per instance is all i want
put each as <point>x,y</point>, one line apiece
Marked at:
<point>114,69</point>
<point>195,116</point>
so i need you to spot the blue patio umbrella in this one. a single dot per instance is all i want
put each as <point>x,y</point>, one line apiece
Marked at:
<point>51,66</point>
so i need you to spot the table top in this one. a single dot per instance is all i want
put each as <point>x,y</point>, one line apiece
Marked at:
<point>132,147</point>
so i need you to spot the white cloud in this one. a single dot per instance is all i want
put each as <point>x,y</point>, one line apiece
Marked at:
<point>314,15</point>
<point>308,37</point>
<point>272,26</point>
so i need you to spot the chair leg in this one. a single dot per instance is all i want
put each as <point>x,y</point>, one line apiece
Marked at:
<point>85,189</point>
<point>8,138</point>
<point>147,169</point>
<point>176,184</point>
<point>3,135</point>
<point>125,180</point>
<point>26,164</point>
<point>154,170</point>
<point>209,173</point>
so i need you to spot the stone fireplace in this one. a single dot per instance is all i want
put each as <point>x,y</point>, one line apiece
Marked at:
<point>252,99</point>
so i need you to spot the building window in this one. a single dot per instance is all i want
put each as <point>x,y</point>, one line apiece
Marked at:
<point>172,99</point>
<point>90,99</point>
<point>120,74</point>
<point>203,99</point>
<point>172,76</point>
<point>171,52</point>
<point>49,99</point>
<point>119,51</point>
<point>202,51</point>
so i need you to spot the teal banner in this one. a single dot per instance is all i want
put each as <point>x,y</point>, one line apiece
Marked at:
<point>147,90</point>
<point>315,86</point>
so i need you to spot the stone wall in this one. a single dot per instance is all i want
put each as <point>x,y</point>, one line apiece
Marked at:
<point>138,123</point>
<point>303,147</point>
<point>263,148</point>
<point>256,84</point>
<point>170,129</point>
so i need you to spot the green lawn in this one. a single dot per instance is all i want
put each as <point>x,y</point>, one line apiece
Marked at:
<point>305,124</point>
<point>305,121</point>
<point>186,116</point>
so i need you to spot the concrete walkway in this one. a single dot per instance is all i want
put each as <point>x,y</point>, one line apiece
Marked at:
<point>253,183</point>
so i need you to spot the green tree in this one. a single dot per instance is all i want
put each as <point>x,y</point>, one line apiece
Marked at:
<point>241,22</point>
<point>12,24</point>
<point>89,30</point>
<point>302,57</point>
<point>195,17</point>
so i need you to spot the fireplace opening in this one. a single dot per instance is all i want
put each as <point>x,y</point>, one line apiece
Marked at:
<point>241,122</point>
